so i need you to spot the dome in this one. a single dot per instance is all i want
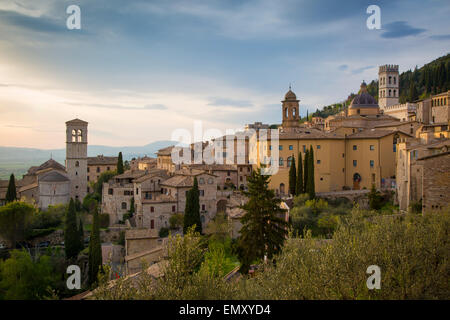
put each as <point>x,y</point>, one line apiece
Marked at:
<point>290,95</point>
<point>363,99</point>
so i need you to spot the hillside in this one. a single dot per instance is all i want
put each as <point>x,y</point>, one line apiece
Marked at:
<point>18,160</point>
<point>432,78</point>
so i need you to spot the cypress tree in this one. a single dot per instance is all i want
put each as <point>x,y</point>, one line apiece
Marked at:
<point>305,171</point>
<point>81,235</point>
<point>11,193</point>
<point>299,182</point>
<point>263,229</point>
<point>120,164</point>
<point>192,209</point>
<point>292,177</point>
<point>311,186</point>
<point>95,250</point>
<point>71,236</point>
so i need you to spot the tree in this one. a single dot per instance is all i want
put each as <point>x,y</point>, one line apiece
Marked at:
<point>23,279</point>
<point>375,198</point>
<point>310,187</point>
<point>413,95</point>
<point>11,193</point>
<point>305,171</point>
<point>132,209</point>
<point>263,230</point>
<point>120,164</point>
<point>299,181</point>
<point>95,250</point>
<point>192,209</point>
<point>71,235</point>
<point>292,177</point>
<point>81,235</point>
<point>15,221</point>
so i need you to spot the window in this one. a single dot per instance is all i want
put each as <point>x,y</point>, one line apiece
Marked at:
<point>137,190</point>
<point>280,147</point>
<point>240,169</point>
<point>318,146</point>
<point>201,181</point>
<point>152,209</point>
<point>173,208</point>
<point>110,191</point>
<point>282,188</point>
<point>108,168</point>
<point>291,147</point>
<point>203,207</point>
<point>289,161</point>
<point>355,147</point>
<point>152,224</point>
<point>318,161</point>
<point>77,163</point>
<point>210,181</point>
<point>87,178</point>
<point>355,163</point>
<point>124,205</point>
<point>372,163</point>
<point>228,173</point>
<point>372,147</point>
<point>280,162</point>
<point>343,155</point>
<point>88,169</point>
<point>202,193</point>
<point>304,149</point>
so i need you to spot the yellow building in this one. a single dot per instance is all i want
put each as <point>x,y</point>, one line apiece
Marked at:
<point>342,160</point>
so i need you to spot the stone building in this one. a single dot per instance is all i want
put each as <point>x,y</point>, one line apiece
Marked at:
<point>76,157</point>
<point>388,85</point>
<point>98,165</point>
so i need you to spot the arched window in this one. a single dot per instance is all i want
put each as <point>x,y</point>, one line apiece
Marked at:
<point>286,112</point>
<point>201,181</point>
<point>390,92</point>
<point>395,92</point>
<point>77,163</point>
<point>390,79</point>
<point>395,80</point>
<point>124,205</point>
<point>280,162</point>
<point>294,112</point>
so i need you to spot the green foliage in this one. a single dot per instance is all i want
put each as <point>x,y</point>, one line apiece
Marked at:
<point>305,170</point>
<point>263,230</point>
<point>217,262</point>
<point>192,209</point>
<point>218,228</point>
<point>81,236</point>
<point>299,180</point>
<point>95,250</point>
<point>120,168</point>
<point>53,217</point>
<point>16,221</point>
<point>292,177</point>
<point>310,184</point>
<point>71,235</point>
<point>97,187</point>
<point>103,220</point>
<point>163,232</point>
<point>121,238</point>
<point>176,221</point>
<point>21,278</point>
<point>375,198</point>
<point>132,207</point>
<point>11,193</point>
<point>416,206</point>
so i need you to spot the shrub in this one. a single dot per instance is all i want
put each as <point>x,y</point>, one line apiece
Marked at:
<point>163,232</point>
<point>103,219</point>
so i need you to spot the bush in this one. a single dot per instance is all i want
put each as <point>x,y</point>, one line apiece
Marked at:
<point>176,221</point>
<point>163,232</point>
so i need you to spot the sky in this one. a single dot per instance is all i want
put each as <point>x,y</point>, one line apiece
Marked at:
<point>138,70</point>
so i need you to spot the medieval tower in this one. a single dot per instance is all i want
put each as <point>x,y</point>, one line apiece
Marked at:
<point>290,110</point>
<point>388,85</point>
<point>76,157</point>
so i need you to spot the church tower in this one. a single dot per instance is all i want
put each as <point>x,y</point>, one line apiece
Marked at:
<point>76,157</point>
<point>388,85</point>
<point>290,110</point>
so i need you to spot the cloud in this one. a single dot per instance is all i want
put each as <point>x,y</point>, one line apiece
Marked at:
<point>440,37</point>
<point>362,69</point>
<point>400,29</point>
<point>38,24</point>
<point>155,107</point>
<point>343,67</point>
<point>226,102</point>
<point>121,107</point>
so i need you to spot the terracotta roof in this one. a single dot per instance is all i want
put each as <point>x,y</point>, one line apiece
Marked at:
<point>151,174</point>
<point>141,234</point>
<point>161,198</point>
<point>130,174</point>
<point>435,155</point>
<point>47,164</point>
<point>101,160</point>
<point>53,176</point>
<point>312,133</point>
<point>179,181</point>
<point>375,134</point>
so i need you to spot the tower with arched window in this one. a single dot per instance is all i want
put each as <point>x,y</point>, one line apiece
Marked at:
<point>290,110</point>
<point>388,85</point>
<point>76,157</point>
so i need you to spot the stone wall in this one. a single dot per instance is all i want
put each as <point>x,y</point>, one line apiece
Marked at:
<point>435,181</point>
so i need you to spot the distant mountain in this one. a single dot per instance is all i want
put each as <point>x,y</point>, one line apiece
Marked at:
<point>18,160</point>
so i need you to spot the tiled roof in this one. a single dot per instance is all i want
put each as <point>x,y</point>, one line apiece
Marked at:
<point>179,181</point>
<point>47,164</point>
<point>141,234</point>
<point>101,160</point>
<point>152,173</point>
<point>160,199</point>
<point>308,133</point>
<point>130,174</point>
<point>165,151</point>
<point>372,133</point>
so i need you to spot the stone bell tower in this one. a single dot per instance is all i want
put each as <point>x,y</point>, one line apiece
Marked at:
<point>388,84</point>
<point>76,157</point>
<point>290,110</point>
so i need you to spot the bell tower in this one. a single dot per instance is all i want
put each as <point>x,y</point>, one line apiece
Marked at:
<point>76,157</point>
<point>290,110</point>
<point>388,84</point>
